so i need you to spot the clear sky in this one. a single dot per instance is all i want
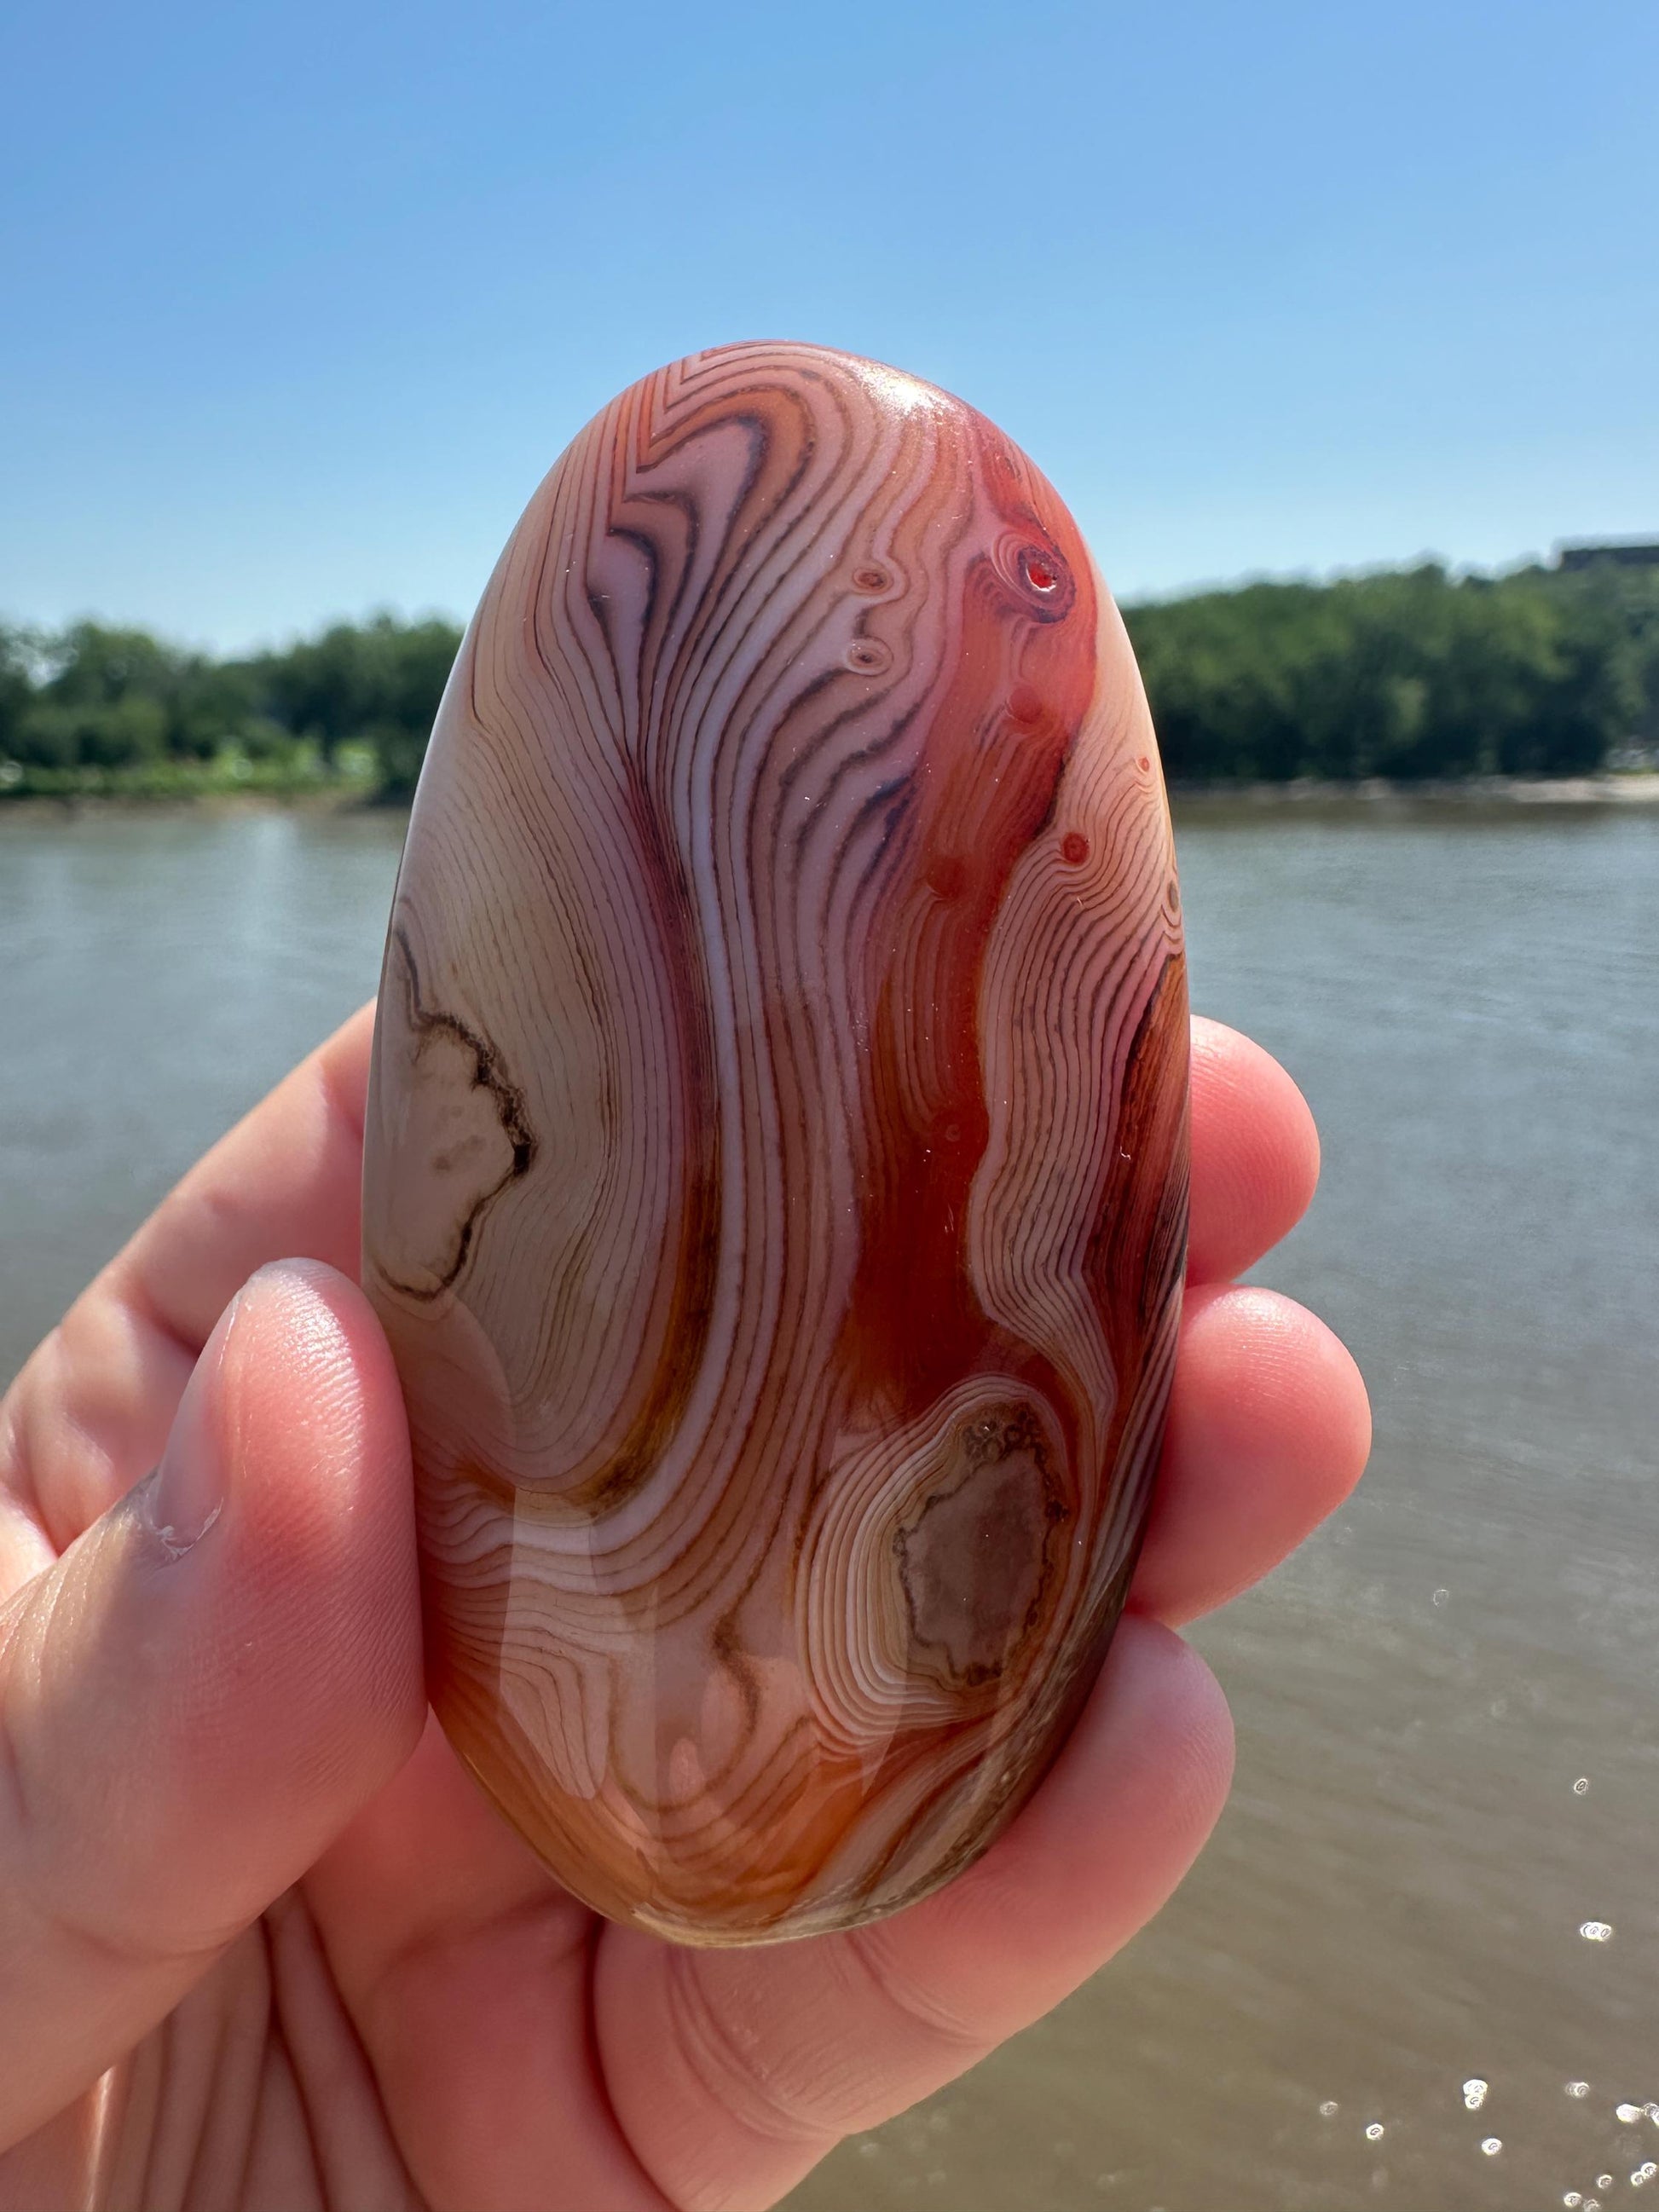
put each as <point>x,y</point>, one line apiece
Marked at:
<point>298,300</point>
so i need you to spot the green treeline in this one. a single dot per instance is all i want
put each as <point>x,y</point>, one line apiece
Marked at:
<point>91,709</point>
<point>1409,674</point>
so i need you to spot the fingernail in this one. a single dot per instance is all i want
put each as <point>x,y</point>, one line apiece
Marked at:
<point>188,1493</point>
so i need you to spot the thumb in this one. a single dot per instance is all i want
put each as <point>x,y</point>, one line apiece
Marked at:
<point>206,1687</point>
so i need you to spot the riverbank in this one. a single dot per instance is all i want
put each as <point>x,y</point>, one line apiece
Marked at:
<point>259,792</point>
<point>298,777</point>
<point>210,799</point>
<point>1635,787</point>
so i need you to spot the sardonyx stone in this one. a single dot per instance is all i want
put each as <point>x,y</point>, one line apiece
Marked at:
<point>775,1191</point>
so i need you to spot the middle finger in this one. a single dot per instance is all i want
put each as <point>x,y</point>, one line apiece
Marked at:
<point>1269,1428</point>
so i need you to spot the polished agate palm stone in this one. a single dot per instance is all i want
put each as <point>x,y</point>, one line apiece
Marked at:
<point>776,1191</point>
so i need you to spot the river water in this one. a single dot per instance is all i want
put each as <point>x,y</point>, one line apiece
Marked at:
<point>1448,1732</point>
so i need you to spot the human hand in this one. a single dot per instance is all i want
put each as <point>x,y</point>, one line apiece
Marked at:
<point>265,1945</point>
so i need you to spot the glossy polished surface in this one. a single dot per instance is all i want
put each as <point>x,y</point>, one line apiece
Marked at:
<point>775,1181</point>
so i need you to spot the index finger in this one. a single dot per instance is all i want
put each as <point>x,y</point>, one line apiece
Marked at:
<point>90,1411</point>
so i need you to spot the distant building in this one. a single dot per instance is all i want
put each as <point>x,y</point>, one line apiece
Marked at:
<point>1609,553</point>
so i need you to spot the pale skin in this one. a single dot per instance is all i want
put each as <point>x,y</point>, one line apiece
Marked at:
<point>266,1948</point>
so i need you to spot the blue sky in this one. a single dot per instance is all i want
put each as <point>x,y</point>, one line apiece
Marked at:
<point>298,301</point>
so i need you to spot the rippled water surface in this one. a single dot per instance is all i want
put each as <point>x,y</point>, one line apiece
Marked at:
<point>1392,1908</point>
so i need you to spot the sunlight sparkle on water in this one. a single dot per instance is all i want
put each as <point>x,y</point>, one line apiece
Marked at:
<point>1475,2095</point>
<point>1644,2174</point>
<point>1492,2145</point>
<point>1595,1931</point>
<point>1628,2114</point>
<point>1374,2133</point>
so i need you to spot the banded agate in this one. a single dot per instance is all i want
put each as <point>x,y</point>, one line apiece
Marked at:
<point>776,1168</point>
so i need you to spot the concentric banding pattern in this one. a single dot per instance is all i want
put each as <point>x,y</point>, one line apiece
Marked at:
<point>775,1188</point>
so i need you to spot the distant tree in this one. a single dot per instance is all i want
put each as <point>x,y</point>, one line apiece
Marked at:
<point>418,662</point>
<point>1613,621</point>
<point>102,703</point>
<point>115,697</point>
<point>92,665</point>
<point>19,651</point>
<point>216,703</point>
<point>321,689</point>
<point>1586,697</point>
<point>377,683</point>
<point>1407,675</point>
